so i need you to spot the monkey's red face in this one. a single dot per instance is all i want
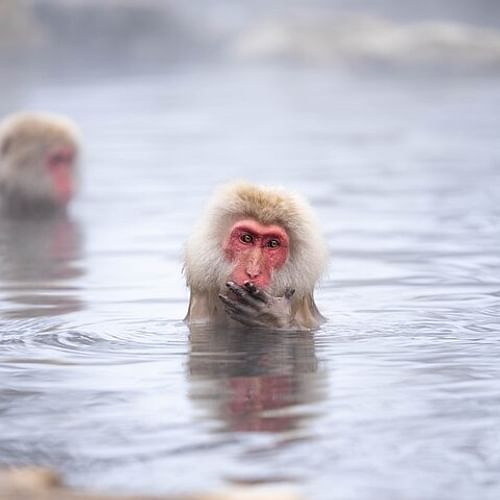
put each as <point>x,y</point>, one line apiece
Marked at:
<point>256,252</point>
<point>60,166</point>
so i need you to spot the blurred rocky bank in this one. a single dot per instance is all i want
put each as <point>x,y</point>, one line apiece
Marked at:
<point>83,33</point>
<point>37,483</point>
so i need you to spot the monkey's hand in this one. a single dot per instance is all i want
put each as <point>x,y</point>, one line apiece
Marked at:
<point>254,307</point>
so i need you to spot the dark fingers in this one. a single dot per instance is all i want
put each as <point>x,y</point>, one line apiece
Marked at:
<point>244,295</point>
<point>236,306</point>
<point>255,292</point>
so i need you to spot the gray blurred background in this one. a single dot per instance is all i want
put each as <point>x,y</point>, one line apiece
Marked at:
<point>445,35</point>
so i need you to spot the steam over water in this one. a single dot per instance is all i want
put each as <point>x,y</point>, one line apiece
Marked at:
<point>396,396</point>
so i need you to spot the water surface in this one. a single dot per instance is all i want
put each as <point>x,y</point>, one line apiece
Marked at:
<point>396,396</point>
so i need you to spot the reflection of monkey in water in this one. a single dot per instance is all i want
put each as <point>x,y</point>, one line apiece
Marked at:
<point>38,259</point>
<point>38,162</point>
<point>255,379</point>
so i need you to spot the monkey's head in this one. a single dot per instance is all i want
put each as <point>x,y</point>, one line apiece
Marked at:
<point>256,234</point>
<point>38,160</point>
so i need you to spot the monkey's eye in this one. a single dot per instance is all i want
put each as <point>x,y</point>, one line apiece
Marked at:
<point>274,243</point>
<point>246,238</point>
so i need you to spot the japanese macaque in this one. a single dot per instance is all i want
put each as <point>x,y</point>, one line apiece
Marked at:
<point>38,162</point>
<point>254,260</point>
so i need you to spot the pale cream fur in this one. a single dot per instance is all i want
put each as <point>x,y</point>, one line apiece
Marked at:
<point>207,270</point>
<point>25,140</point>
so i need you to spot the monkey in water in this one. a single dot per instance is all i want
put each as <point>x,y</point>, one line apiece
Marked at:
<point>254,260</point>
<point>38,162</point>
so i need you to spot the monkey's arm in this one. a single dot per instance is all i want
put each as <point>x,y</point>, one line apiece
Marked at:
<point>253,307</point>
<point>204,309</point>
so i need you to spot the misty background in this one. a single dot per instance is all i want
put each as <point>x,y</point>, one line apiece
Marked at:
<point>444,35</point>
<point>385,115</point>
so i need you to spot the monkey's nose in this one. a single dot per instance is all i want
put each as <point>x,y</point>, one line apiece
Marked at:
<point>253,268</point>
<point>253,272</point>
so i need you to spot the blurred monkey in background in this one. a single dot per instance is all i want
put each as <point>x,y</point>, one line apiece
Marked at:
<point>254,260</point>
<point>38,162</point>
<point>39,242</point>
